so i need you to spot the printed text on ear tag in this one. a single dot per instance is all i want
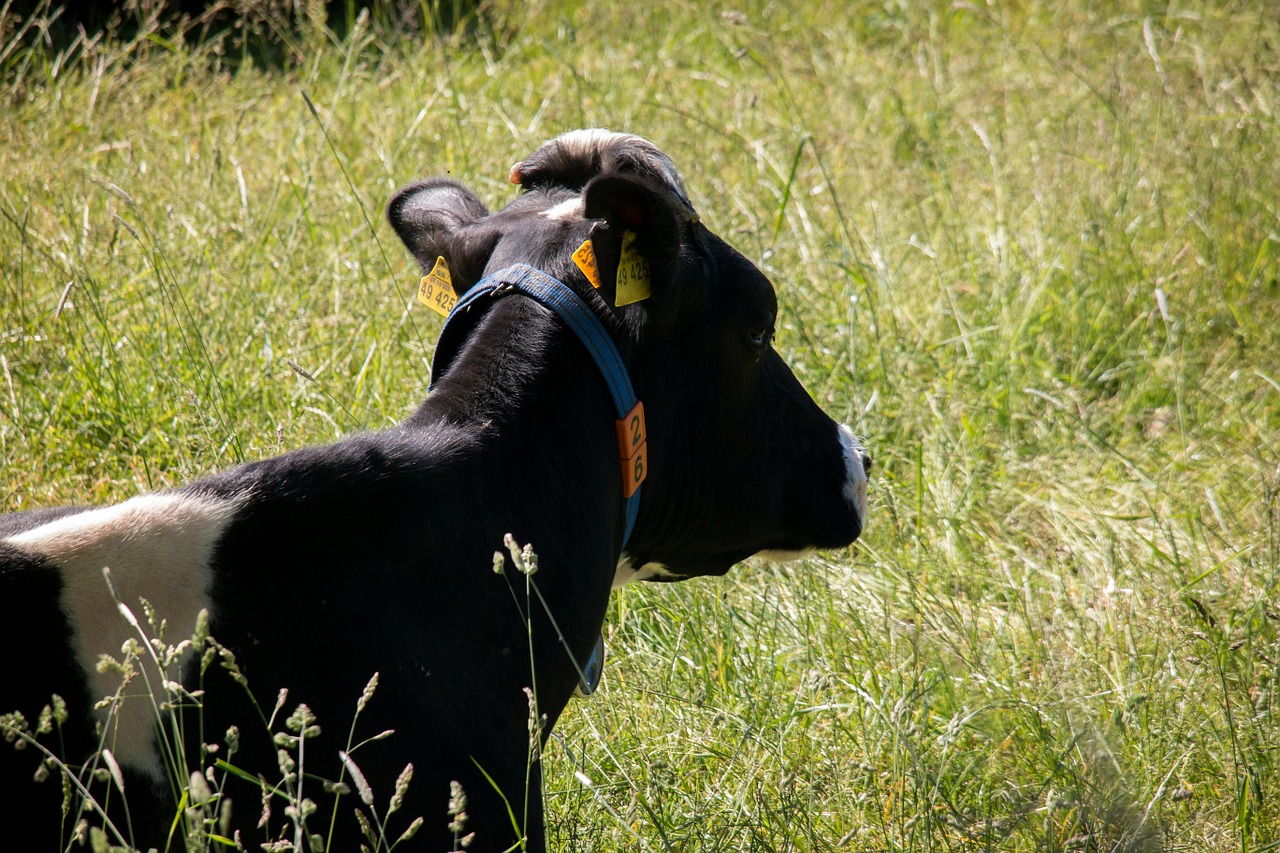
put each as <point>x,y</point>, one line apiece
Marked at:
<point>633,273</point>
<point>436,289</point>
<point>585,258</point>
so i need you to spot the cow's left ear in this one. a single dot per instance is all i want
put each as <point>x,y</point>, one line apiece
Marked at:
<point>636,217</point>
<point>439,217</point>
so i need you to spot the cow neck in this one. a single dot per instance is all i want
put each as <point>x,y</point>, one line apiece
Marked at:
<point>586,325</point>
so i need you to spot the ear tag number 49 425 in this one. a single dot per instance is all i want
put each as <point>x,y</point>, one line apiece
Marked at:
<point>632,282</point>
<point>436,289</point>
<point>633,273</point>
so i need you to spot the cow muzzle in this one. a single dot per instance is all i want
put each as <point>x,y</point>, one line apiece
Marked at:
<point>857,464</point>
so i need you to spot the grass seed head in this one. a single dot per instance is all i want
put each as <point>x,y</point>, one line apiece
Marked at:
<point>367,693</point>
<point>365,828</point>
<point>402,788</point>
<point>12,724</point>
<point>267,794</point>
<point>457,808</point>
<point>199,789</point>
<point>362,784</point>
<point>286,764</point>
<point>300,719</point>
<point>114,768</point>
<point>411,831</point>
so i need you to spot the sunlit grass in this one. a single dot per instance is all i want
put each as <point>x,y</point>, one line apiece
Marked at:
<point>1030,251</point>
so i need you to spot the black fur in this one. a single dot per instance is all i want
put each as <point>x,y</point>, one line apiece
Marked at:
<point>375,554</point>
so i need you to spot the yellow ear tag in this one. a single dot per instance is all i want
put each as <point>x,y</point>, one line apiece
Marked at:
<point>585,258</point>
<point>436,289</point>
<point>633,273</point>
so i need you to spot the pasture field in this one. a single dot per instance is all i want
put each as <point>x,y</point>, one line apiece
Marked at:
<point>1030,251</point>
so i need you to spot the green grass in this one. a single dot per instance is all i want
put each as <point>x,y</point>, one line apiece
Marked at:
<point>1031,251</point>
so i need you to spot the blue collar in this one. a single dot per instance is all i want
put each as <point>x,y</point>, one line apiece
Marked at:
<point>578,316</point>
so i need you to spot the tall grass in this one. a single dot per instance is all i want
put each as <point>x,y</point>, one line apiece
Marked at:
<point>1029,250</point>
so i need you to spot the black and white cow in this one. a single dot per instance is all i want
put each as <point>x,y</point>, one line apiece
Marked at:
<point>323,566</point>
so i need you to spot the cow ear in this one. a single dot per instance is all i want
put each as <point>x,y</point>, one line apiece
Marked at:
<point>635,216</point>
<point>437,218</point>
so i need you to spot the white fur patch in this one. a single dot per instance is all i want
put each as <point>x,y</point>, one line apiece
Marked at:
<point>626,573</point>
<point>158,547</point>
<point>855,482</point>
<point>591,139</point>
<point>585,143</point>
<point>568,210</point>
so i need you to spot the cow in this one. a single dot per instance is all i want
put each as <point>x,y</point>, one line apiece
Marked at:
<point>605,392</point>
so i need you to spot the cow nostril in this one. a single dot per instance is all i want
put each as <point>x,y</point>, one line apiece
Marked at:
<point>866,462</point>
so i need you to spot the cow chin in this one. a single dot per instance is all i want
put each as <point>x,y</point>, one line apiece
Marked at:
<point>785,555</point>
<point>701,566</point>
<point>631,568</point>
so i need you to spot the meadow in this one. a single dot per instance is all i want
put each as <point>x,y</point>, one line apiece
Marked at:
<point>1030,251</point>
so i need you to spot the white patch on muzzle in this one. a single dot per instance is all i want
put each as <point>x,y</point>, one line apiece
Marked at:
<point>158,547</point>
<point>854,490</point>
<point>855,477</point>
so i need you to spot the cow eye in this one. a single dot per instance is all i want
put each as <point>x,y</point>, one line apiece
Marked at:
<point>760,337</point>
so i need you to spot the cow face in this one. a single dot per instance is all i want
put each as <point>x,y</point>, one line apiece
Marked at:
<point>741,460</point>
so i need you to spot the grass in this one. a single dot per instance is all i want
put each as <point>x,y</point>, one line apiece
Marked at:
<point>1031,251</point>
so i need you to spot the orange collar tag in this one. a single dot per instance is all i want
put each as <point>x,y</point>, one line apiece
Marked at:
<point>435,290</point>
<point>585,258</point>
<point>633,448</point>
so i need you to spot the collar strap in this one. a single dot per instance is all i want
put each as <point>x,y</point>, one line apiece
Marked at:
<point>578,316</point>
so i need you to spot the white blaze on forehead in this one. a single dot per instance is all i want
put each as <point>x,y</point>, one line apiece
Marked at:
<point>569,209</point>
<point>158,547</point>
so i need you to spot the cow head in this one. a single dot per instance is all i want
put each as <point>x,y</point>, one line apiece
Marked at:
<point>741,459</point>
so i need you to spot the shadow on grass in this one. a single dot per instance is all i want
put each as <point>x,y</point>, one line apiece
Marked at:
<point>268,33</point>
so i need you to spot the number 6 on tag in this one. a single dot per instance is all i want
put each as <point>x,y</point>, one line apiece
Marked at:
<point>633,447</point>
